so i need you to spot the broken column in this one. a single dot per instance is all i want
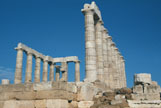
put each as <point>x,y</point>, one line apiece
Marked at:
<point>18,72</point>
<point>144,88</point>
<point>5,81</point>
<point>90,47</point>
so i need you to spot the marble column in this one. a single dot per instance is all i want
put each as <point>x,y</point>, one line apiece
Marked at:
<point>65,71</point>
<point>99,50</point>
<point>57,76</point>
<point>105,62</point>
<point>90,47</point>
<point>77,71</point>
<point>123,71</point>
<point>45,71</point>
<point>109,62</point>
<point>18,72</point>
<point>28,77</point>
<point>51,76</point>
<point>37,69</point>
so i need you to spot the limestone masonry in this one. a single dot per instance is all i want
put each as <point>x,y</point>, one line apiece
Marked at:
<point>103,87</point>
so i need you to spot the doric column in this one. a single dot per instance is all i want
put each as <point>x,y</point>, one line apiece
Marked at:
<point>90,48</point>
<point>64,71</point>
<point>77,71</point>
<point>109,62</point>
<point>45,70</point>
<point>51,77</point>
<point>28,77</point>
<point>105,60</point>
<point>99,50</point>
<point>18,72</point>
<point>37,69</point>
<point>57,76</point>
<point>123,71</point>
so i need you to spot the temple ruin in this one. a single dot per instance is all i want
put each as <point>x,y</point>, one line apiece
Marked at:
<point>104,85</point>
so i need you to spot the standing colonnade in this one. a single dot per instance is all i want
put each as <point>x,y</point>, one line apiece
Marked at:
<point>103,59</point>
<point>47,60</point>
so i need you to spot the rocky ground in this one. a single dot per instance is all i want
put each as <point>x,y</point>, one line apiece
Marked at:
<point>116,99</point>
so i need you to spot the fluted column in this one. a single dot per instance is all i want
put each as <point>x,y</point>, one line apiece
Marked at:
<point>77,71</point>
<point>123,71</point>
<point>57,76</point>
<point>90,48</point>
<point>99,50</point>
<point>109,62</point>
<point>118,67</point>
<point>37,69</point>
<point>51,76</point>
<point>105,56</point>
<point>28,77</point>
<point>45,71</point>
<point>18,72</point>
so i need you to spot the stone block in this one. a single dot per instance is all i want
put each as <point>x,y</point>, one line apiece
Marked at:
<point>138,89</point>
<point>1,104</point>
<point>17,95</point>
<point>142,78</point>
<point>87,91</point>
<point>40,103</point>
<point>57,103</point>
<point>85,104</point>
<point>55,94</point>
<point>119,97</point>
<point>42,86</point>
<point>18,104</point>
<point>115,102</point>
<point>66,86</point>
<point>16,87</point>
<point>146,96</point>
<point>5,81</point>
<point>151,89</point>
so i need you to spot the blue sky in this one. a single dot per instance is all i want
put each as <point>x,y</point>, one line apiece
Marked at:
<point>56,28</point>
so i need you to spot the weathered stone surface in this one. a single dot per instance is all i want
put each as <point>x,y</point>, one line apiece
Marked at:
<point>40,103</point>
<point>5,81</point>
<point>85,104</point>
<point>142,78</point>
<point>144,104</point>
<point>57,103</point>
<point>152,96</point>
<point>16,87</point>
<point>42,86</point>
<point>138,89</point>
<point>87,91</point>
<point>17,95</point>
<point>55,94</point>
<point>18,104</point>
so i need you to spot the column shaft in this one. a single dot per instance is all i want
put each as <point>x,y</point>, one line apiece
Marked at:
<point>105,57</point>
<point>99,50</point>
<point>28,77</point>
<point>45,71</point>
<point>77,71</point>
<point>90,65</point>
<point>65,72</point>
<point>37,69</point>
<point>51,78</point>
<point>57,76</point>
<point>18,72</point>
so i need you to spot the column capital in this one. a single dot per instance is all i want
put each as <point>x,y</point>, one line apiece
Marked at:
<point>78,61</point>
